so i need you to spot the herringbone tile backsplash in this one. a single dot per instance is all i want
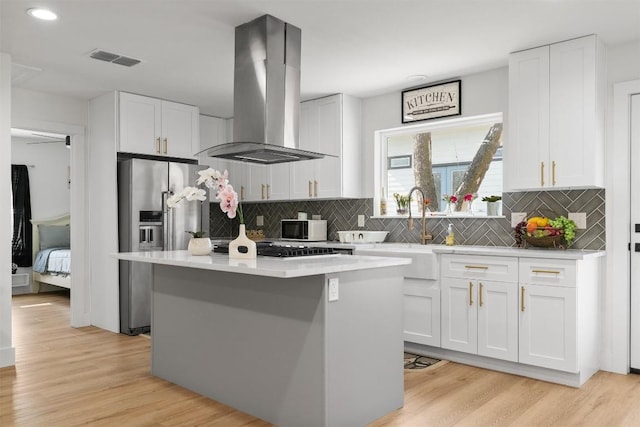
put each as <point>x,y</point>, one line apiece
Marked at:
<point>343,215</point>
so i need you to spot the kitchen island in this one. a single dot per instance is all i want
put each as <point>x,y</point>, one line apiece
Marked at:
<point>309,341</point>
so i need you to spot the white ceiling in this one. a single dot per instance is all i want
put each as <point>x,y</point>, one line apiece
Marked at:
<point>359,47</point>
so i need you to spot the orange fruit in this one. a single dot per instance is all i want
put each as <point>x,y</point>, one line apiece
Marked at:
<point>532,226</point>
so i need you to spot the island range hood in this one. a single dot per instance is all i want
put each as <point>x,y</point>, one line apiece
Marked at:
<point>266,100</point>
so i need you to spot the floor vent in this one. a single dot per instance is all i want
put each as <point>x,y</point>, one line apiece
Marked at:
<point>114,58</point>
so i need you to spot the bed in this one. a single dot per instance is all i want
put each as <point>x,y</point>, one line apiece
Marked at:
<point>51,252</point>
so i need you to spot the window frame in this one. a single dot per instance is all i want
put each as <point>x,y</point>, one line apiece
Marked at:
<point>381,156</point>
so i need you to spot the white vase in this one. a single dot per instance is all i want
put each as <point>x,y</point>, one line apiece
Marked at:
<point>199,246</point>
<point>492,208</point>
<point>242,246</point>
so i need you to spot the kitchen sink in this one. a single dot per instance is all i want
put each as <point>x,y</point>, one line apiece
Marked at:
<point>424,264</point>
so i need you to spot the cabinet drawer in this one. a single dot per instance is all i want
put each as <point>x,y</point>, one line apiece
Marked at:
<point>548,272</point>
<point>503,269</point>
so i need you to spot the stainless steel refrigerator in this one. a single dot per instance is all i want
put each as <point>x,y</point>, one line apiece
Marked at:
<point>146,224</point>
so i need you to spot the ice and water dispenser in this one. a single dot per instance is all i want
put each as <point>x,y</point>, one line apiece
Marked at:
<point>151,233</point>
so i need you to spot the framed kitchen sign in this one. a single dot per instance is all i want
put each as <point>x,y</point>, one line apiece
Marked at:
<point>431,102</point>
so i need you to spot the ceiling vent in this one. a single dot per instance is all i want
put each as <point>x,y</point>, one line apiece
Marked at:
<point>114,58</point>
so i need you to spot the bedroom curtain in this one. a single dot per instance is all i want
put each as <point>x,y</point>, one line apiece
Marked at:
<point>21,245</point>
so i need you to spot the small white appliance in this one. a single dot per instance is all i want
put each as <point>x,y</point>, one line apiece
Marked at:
<point>310,230</point>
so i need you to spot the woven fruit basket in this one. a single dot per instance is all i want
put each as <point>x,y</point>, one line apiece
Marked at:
<point>545,236</point>
<point>546,242</point>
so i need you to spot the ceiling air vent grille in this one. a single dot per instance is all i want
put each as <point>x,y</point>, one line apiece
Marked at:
<point>114,58</point>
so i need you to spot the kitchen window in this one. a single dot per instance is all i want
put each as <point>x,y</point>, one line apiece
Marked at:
<point>453,147</point>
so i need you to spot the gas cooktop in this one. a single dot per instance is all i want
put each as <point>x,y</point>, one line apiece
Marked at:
<point>274,249</point>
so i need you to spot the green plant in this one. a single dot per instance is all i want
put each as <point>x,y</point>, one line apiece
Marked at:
<point>402,201</point>
<point>491,198</point>
<point>196,234</point>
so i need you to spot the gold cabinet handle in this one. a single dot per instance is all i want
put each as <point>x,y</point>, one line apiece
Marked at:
<point>541,174</point>
<point>522,299</point>
<point>242,192</point>
<point>158,145</point>
<point>262,192</point>
<point>310,190</point>
<point>553,173</point>
<point>166,144</point>
<point>470,293</point>
<point>315,188</point>
<point>480,302</point>
<point>476,267</point>
<point>268,191</point>
<point>546,271</point>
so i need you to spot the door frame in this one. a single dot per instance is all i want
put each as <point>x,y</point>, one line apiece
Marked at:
<point>80,282</point>
<point>616,292</point>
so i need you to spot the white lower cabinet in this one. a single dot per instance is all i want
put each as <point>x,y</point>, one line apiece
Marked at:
<point>542,313</point>
<point>422,311</point>
<point>480,317</point>
<point>549,329</point>
<point>479,305</point>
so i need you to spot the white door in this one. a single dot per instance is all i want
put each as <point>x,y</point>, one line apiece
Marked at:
<point>180,130</point>
<point>548,327</point>
<point>498,320</point>
<point>635,235</point>
<point>459,315</point>
<point>140,124</point>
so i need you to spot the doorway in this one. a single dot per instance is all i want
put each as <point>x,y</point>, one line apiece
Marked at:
<point>80,295</point>
<point>42,168</point>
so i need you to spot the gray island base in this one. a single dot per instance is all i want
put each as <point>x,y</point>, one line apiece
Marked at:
<point>276,347</point>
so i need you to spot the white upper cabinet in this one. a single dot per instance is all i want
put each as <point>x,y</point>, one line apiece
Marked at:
<point>556,117</point>
<point>156,127</point>
<point>330,126</point>
<point>212,132</point>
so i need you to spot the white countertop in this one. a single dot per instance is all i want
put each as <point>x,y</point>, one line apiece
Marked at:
<point>265,266</point>
<point>531,252</point>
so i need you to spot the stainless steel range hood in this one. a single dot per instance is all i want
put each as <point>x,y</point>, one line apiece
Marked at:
<point>266,102</point>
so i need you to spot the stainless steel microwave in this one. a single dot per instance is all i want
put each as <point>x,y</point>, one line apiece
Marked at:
<point>311,230</point>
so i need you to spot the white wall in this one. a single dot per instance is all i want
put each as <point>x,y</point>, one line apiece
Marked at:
<point>7,351</point>
<point>482,93</point>
<point>47,178</point>
<point>28,106</point>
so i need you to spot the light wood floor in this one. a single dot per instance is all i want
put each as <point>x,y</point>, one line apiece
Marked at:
<point>87,376</point>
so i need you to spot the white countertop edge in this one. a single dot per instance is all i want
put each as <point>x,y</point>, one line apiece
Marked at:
<point>265,266</point>
<point>575,254</point>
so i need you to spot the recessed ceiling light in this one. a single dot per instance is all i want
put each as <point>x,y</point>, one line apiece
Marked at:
<point>44,14</point>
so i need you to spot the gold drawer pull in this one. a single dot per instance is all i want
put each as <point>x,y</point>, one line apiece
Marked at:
<point>541,174</point>
<point>158,145</point>
<point>480,302</point>
<point>522,298</point>
<point>470,293</point>
<point>546,271</point>
<point>553,173</point>
<point>477,267</point>
<point>166,143</point>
